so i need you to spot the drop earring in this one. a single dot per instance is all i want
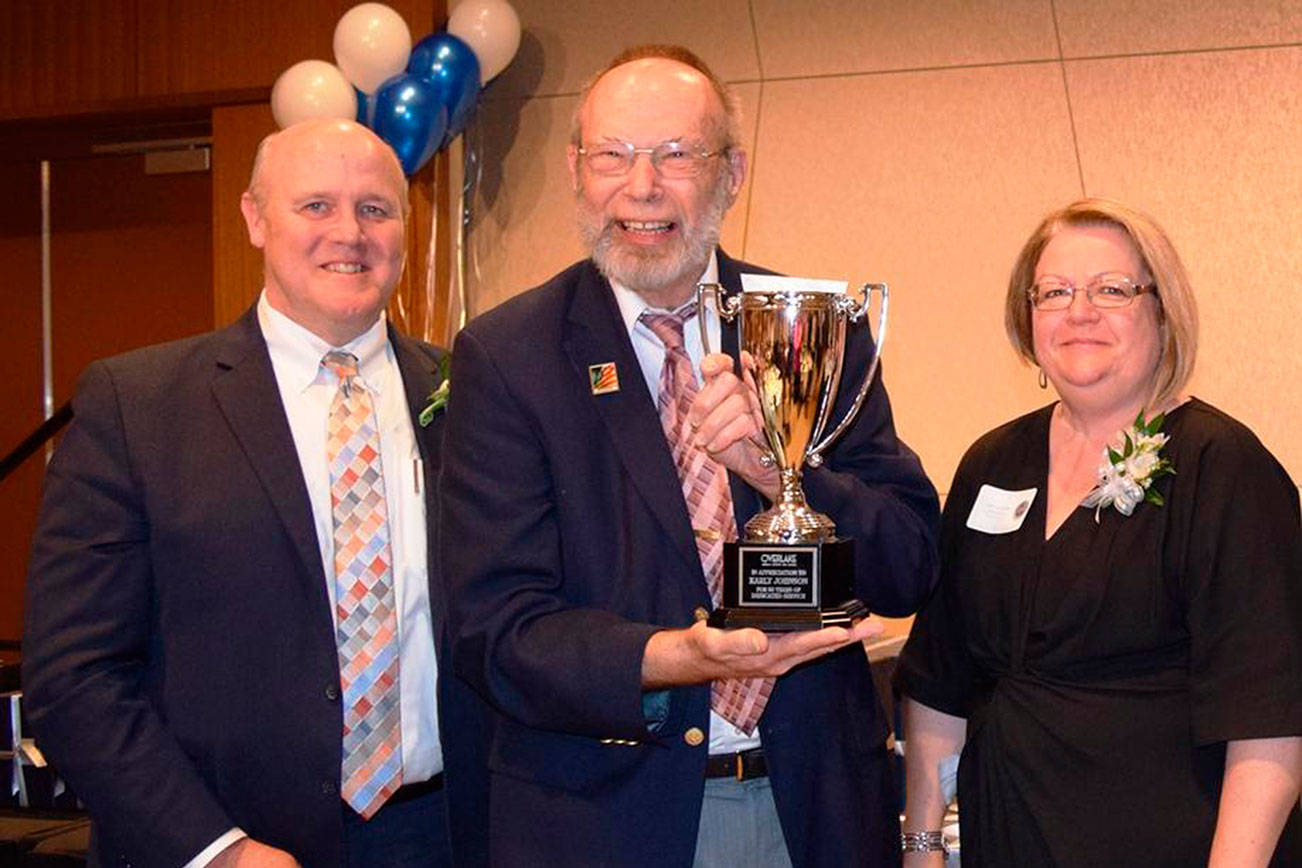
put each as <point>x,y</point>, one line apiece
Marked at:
<point>1044,381</point>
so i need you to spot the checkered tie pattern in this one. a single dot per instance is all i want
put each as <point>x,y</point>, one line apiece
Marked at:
<point>740,701</point>
<point>367,631</point>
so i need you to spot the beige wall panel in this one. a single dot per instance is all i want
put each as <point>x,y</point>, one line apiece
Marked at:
<point>929,181</point>
<point>523,230</point>
<point>523,220</point>
<point>564,43</point>
<point>818,37</point>
<point>1096,27</point>
<point>1208,143</point>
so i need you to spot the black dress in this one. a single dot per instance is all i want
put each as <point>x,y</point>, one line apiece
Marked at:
<point>1102,671</point>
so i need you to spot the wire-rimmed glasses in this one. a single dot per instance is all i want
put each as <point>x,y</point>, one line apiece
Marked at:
<point>669,159</point>
<point>1107,291</point>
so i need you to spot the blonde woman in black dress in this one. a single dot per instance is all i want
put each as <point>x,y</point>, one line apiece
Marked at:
<point>1116,643</point>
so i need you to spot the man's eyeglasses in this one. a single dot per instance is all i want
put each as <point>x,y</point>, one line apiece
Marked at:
<point>1106,291</point>
<point>670,159</point>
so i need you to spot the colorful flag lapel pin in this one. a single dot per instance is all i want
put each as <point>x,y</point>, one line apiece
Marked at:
<point>603,378</point>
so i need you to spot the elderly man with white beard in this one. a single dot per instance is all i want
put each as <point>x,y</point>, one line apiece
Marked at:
<point>595,461</point>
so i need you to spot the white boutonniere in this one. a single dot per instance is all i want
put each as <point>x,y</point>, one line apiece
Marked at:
<point>438,399</point>
<point>1126,477</point>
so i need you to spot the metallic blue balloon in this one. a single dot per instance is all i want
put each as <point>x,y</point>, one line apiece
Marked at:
<point>451,66</point>
<point>411,117</point>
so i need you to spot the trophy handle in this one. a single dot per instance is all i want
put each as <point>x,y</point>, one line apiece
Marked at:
<point>727,307</point>
<point>854,312</point>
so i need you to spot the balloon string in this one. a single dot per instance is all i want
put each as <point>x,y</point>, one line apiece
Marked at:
<point>473,176</point>
<point>431,262</point>
<point>461,258</point>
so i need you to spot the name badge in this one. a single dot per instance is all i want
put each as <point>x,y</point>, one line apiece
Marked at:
<point>1000,511</point>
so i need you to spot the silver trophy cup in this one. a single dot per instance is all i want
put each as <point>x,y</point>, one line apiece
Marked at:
<point>790,571</point>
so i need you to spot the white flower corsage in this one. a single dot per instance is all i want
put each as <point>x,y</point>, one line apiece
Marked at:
<point>1126,477</point>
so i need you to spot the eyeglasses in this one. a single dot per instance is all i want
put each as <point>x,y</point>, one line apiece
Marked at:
<point>670,159</point>
<point>1107,291</point>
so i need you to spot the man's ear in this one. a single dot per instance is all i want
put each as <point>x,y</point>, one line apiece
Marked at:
<point>736,172</point>
<point>253,220</point>
<point>572,160</point>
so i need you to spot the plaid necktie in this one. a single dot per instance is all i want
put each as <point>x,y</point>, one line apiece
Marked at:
<point>740,701</point>
<point>367,631</point>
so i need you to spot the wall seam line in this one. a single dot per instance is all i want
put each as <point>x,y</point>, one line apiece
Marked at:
<point>1066,92</point>
<point>754,153</point>
<point>997,64</point>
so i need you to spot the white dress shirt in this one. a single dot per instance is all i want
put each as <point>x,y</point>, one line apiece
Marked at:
<point>724,737</point>
<point>306,390</point>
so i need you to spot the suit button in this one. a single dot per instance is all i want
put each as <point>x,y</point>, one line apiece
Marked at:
<point>332,693</point>
<point>700,614</point>
<point>694,737</point>
<point>328,788</point>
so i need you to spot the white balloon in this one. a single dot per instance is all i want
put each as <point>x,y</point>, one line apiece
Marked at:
<point>372,44</point>
<point>312,89</point>
<point>491,28</point>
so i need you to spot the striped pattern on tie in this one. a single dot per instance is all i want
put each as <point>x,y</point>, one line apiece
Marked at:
<point>740,701</point>
<point>367,632</point>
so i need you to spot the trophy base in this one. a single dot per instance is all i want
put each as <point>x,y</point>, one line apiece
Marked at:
<point>782,588</point>
<point>788,620</point>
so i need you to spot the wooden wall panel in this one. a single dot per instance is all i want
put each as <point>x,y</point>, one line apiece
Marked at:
<point>62,57</point>
<point>237,266</point>
<point>412,308</point>
<point>129,256</point>
<point>20,250</point>
<point>194,47</point>
<point>65,53</point>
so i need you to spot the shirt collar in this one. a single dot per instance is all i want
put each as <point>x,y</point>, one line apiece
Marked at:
<point>632,305</point>
<point>298,351</point>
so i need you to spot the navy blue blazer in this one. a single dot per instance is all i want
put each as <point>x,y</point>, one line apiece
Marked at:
<point>566,543</point>
<point>180,666</point>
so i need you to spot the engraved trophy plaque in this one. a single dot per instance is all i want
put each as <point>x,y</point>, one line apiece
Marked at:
<point>790,571</point>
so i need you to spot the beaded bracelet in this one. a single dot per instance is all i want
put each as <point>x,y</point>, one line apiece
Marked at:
<point>924,842</point>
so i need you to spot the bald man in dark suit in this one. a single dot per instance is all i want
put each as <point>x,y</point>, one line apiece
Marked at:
<point>195,608</point>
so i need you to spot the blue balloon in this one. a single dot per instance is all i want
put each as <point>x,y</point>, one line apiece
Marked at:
<point>365,108</point>
<point>451,66</point>
<point>410,116</point>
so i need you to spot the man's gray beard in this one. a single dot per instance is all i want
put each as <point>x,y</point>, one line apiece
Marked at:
<point>648,272</point>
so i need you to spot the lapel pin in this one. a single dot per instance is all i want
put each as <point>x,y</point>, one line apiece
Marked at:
<point>603,378</point>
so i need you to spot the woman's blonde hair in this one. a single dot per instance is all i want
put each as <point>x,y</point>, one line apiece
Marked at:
<point>1177,308</point>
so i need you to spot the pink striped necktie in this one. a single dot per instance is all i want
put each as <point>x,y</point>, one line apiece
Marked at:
<point>367,632</point>
<point>740,701</point>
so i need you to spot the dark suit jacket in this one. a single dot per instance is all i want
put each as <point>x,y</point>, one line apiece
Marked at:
<point>180,666</point>
<point>566,543</point>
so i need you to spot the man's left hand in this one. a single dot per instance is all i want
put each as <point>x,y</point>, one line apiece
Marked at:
<point>727,423</point>
<point>701,653</point>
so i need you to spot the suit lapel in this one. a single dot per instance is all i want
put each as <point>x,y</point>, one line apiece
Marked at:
<point>596,336</point>
<point>245,389</point>
<point>420,376</point>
